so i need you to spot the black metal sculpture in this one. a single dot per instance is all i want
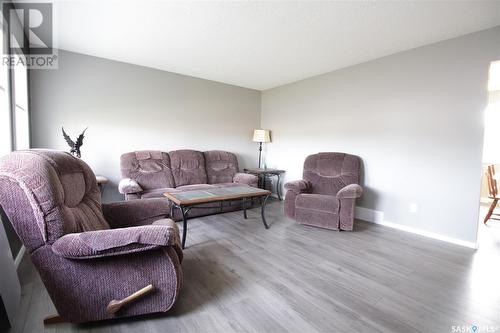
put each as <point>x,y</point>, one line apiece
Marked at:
<point>75,146</point>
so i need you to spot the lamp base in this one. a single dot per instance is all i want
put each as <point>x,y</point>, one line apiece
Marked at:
<point>260,153</point>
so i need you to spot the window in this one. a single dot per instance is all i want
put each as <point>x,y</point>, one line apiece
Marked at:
<point>21,115</point>
<point>5,120</point>
<point>14,106</point>
<point>491,153</point>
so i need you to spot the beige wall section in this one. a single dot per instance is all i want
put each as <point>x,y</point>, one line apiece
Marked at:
<point>128,107</point>
<point>416,120</point>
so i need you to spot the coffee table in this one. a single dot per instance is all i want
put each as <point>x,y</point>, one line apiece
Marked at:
<point>187,200</point>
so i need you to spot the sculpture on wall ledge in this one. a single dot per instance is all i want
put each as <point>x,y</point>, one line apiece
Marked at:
<point>75,146</point>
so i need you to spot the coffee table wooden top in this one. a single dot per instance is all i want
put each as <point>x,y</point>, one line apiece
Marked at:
<point>215,194</point>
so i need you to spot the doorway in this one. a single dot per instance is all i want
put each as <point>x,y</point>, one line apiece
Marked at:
<point>489,224</point>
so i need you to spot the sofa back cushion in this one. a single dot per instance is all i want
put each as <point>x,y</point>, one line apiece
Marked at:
<point>221,166</point>
<point>330,172</point>
<point>150,168</point>
<point>188,167</point>
<point>60,190</point>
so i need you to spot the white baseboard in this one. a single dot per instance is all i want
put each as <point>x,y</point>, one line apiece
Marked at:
<point>377,217</point>
<point>19,256</point>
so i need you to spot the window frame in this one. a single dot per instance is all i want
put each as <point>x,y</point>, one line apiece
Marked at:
<point>11,95</point>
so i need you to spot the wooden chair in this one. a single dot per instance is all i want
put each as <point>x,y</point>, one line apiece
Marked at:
<point>493,191</point>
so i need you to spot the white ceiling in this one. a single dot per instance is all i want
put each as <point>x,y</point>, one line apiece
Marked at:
<point>261,45</point>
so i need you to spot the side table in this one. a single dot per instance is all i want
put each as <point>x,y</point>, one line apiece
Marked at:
<point>101,182</point>
<point>263,173</point>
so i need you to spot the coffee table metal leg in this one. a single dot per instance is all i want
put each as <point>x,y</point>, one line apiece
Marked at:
<point>184,226</point>
<point>278,187</point>
<point>244,204</point>
<point>263,210</point>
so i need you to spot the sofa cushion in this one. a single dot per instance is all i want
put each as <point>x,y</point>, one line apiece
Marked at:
<point>222,185</point>
<point>188,167</point>
<point>149,168</point>
<point>195,187</point>
<point>221,166</point>
<point>156,193</point>
<point>320,202</point>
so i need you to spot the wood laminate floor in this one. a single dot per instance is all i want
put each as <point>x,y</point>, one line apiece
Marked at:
<point>239,277</point>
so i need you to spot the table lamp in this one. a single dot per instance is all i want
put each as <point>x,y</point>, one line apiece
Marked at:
<point>261,135</point>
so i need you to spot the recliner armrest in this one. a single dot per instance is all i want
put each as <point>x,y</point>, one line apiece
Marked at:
<point>350,191</point>
<point>245,178</point>
<point>113,242</point>
<point>129,186</point>
<point>298,186</point>
<point>135,212</point>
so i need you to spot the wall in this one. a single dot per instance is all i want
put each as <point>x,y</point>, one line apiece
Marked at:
<point>128,107</point>
<point>416,120</point>
<point>14,241</point>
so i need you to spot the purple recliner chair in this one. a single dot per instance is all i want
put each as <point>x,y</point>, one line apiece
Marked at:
<point>89,254</point>
<point>326,196</point>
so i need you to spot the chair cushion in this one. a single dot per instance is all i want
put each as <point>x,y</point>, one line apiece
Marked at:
<point>330,172</point>
<point>320,202</point>
<point>188,167</point>
<point>317,210</point>
<point>61,189</point>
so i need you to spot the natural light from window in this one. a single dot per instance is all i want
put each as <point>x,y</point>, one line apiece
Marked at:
<point>21,116</point>
<point>5,134</point>
<point>491,151</point>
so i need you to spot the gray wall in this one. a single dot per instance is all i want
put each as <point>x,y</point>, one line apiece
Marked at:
<point>416,120</point>
<point>128,107</point>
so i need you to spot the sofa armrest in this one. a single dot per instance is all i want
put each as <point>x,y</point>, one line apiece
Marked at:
<point>298,186</point>
<point>135,212</point>
<point>350,191</point>
<point>245,178</point>
<point>114,242</point>
<point>128,186</point>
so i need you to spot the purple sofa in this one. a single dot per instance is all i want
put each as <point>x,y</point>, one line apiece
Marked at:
<point>326,196</point>
<point>88,253</point>
<point>148,174</point>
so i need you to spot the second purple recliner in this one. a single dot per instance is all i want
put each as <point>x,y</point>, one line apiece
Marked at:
<point>326,195</point>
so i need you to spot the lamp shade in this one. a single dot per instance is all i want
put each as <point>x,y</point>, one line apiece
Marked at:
<point>261,135</point>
